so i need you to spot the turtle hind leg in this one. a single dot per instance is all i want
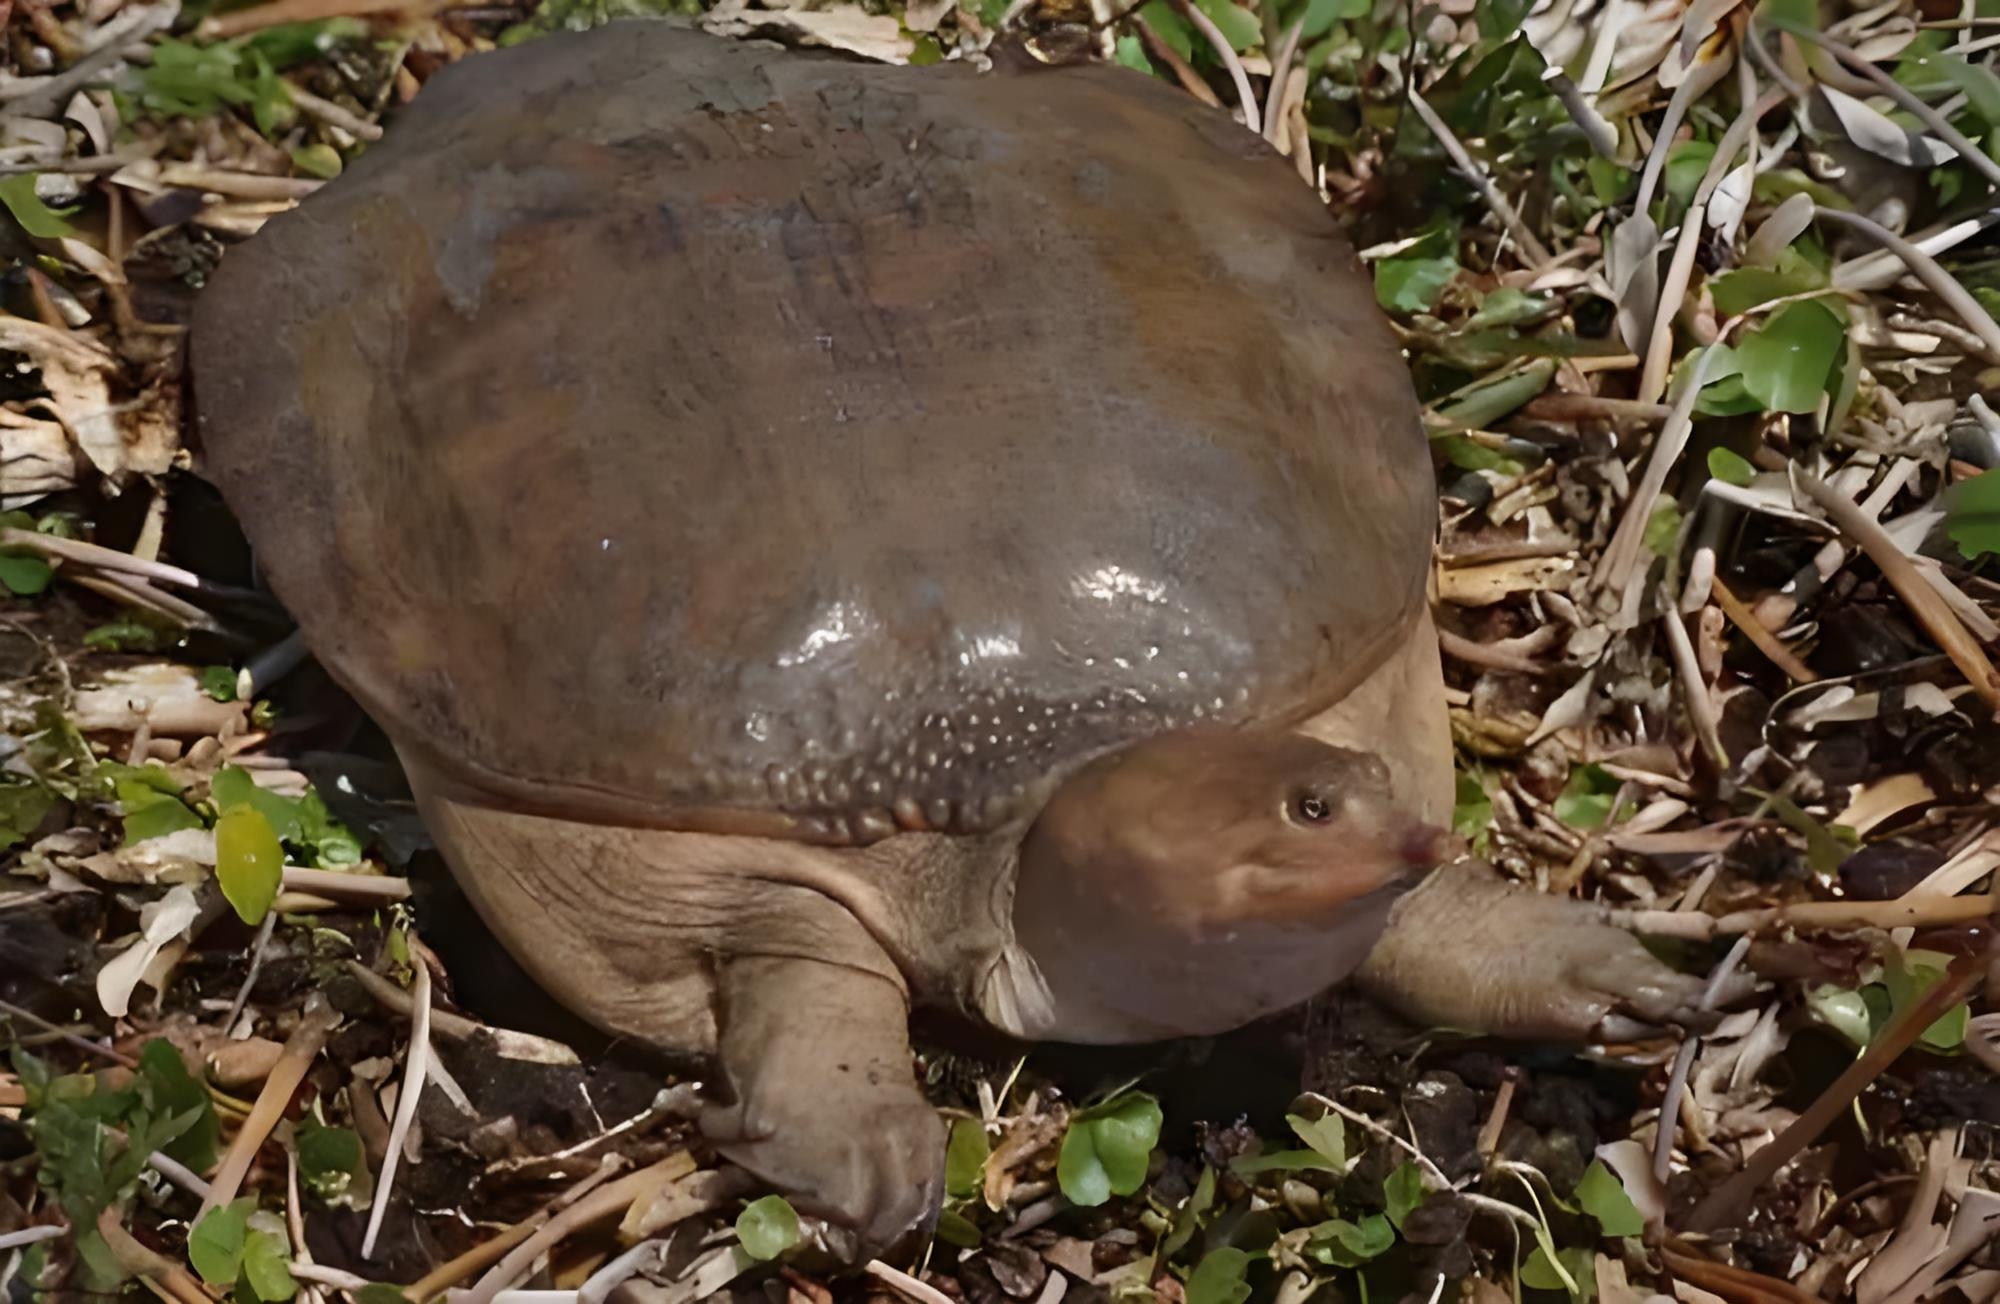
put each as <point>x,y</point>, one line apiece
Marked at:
<point>824,1104</point>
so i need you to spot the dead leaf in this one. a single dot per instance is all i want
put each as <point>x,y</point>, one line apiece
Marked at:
<point>167,698</point>
<point>925,15</point>
<point>75,369</point>
<point>1482,586</point>
<point>1884,800</point>
<point>160,922</point>
<point>182,856</point>
<point>1873,131</point>
<point>872,36</point>
<point>35,459</point>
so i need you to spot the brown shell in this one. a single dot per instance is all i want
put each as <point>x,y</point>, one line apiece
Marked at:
<point>669,429</point>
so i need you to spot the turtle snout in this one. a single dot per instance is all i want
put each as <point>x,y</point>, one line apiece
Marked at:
<point>1425,846</point>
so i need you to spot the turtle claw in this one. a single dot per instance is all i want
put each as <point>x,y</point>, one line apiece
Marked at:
<point>825,1106</point>
<point>874,1172</point>
<point>1468,950</point>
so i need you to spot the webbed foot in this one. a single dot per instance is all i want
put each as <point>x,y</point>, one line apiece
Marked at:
<point>826,1108</point>
<point>1471,951</point>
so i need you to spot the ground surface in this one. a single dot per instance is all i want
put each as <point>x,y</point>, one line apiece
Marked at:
<point>1718,657</point>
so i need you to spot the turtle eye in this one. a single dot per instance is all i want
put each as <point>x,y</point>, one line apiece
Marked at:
<point>1311,808</point>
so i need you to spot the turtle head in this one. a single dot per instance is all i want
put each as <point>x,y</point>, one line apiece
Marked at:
<point>1195,881</point>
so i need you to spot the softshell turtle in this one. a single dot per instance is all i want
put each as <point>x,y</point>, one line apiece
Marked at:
<point>827,536</point>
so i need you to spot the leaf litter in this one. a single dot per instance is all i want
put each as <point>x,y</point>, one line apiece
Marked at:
<point>1699,299</point>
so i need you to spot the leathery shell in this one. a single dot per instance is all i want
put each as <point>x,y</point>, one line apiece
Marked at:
<point>695,433</point>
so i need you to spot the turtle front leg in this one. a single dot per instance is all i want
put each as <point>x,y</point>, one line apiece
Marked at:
<point>1468,950</point>
<point>824,1105</point>
<point>716,949</point>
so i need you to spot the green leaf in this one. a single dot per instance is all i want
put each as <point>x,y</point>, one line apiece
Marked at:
<point>70,1118</point>
<point>1585,801</point>
<point>1603,1197</point>
<point>1500,19</point>
<point>267,1269</point>
<point>954,1228</point>
<point>113,778</point>
<point>1403,1192</point>
<point>35,1268</point>
<point>1344,1244</point>
<point>1472,809</point>
<point>215,1246</point>
<point>330,1158</point>
<point>1972,514</point>
<point>1981,87</point>
<point>1484,404</point>
<point>1550,1268</point>
<point>34,1074</point>
<point>1324,1135</point>
<point>767,1227</point>
<point>149,811</point>
<point>302,822</point>
<point>17,194</point>
<point>1723,395</point>
<point>333,846</point>
<point>1169,26</point>
<point>1686,164</point>
<point>1826,848</point>
<point>270,98</point>
<point>1737,292</point>
<point>1787,361</point>
<point>1730,467</point>
<point>294,43</point>
<point>232,789</point>
<point>1796,15</point>
<point>1412,282</point>
<point>1843,1010</point>
<point>1238,25</point>
<point>1508,306</point>
<point>1321,15</point>
<point>1663,527</point>
<point>1541,1273</point>
<point>249,862</point>
<point>1609,182</point>
<point>102,1273</point>
<point>965,1158</point>
<point>1130,52</point>
<point>1187,1220</point>
<point>1282,1161</point>
<point>1106,1149</point>
<point>1908,977</point>
<point>219,682</point>
<point>1471,455</point>
<point>23,807</point>
<point>167,1086</point>
<point>192,81</point>
<point>1220,1277</point>
<point>24,574</point>
<point>378,1293</point>
<point>127,634</point>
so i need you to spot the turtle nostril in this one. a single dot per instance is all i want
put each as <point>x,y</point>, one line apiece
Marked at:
<point>1423,846</point>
